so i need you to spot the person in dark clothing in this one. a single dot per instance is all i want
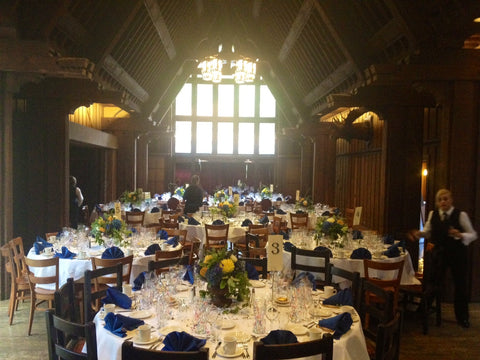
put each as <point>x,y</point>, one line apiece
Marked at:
<point>449,232</point>
<point>76,200</point>
<point>193,196</point>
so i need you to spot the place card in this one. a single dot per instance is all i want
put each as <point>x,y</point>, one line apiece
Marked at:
<point>236,199</point>
<point>118,210</point>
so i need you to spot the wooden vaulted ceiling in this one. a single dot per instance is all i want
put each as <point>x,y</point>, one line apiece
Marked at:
<point>145,50</point>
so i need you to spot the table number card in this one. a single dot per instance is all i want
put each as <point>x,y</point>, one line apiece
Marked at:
<point>275,253</point>
<point>118,210</point>
<point>357,215</point>
<point>236,199</point>
<point>147,195</point>
<point>230,191</point>
<point>297,195</point>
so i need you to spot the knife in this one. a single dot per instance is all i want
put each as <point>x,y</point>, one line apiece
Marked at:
<point>216,348</point>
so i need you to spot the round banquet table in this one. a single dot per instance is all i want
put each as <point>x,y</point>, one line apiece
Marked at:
<point>351,346</point>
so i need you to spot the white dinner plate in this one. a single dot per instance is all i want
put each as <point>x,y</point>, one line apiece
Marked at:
<point>140,314</point>
<point>257,283</point>
<point>182,287</point>
<point>221,352</point>
<point>323,312</point>
<point>170,328</point>
<point>297,330</point>
<point>226,324</point>
<point>137,341</point>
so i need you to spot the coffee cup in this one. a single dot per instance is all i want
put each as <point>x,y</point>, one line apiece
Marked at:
<point>48,250</point>
<point>341,253</point>
<point>128,252</point>
<point>127,289</point>
<point>229,345</point>
<point>109,308</point>
<point>329,291</point>
<point>82,255</point>
<point>164,246</point>
<point>144,332</point>
<point>315,333</point>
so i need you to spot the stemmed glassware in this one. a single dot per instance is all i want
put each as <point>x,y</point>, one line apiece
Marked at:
<point>271,313</point>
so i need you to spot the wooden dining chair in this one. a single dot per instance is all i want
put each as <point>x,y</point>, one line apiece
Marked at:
<point>130,352</point>
<point>279,225</point>
<point>168,254</point>
<point>94,287</point>
<point>181,234</point>
<point>388,339</point>
<point>39,294</point>
<point>314,262</point>
<point>387,275</point>
<point>216,236</point>
<point>323,346</point>
<point>69,340</point>
<point>299,221</point>
<point>20,287</point>
<point>353,277</point>
<point>349,215</point>
<point>67,304</point>
<point>163,265</point>
<point>262,233</point>
<point>134,218</point>
<point>170,223</point>
<point>127,263</point>
<point>259,263</point>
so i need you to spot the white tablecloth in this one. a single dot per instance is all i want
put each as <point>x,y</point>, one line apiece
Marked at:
<point>235,233</point>
<point>350,346</point>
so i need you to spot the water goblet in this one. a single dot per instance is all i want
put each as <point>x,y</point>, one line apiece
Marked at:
<point>272,314</point>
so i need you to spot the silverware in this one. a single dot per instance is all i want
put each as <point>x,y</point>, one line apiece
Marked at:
<point>245,347</point>
<point>216,348</point>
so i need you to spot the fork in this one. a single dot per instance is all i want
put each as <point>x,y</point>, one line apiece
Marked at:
<point>245,348</point>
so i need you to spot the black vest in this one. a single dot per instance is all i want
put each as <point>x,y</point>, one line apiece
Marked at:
<point>440,228</point>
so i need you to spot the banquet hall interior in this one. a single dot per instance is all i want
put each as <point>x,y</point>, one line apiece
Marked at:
<point>355,104</point>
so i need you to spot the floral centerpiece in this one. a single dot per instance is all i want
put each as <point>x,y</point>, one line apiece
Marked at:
<point>228,209</point>
<point>219,196</point>
<point>305,203</point>
<point>131,197</point>
<point>179,191</point>
<point>266,193</point>
<point>107,226</point>
<point>334,227</point>
<point>226,277</point>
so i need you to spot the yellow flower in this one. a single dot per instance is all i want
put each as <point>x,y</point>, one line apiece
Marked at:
<point>203,270</point>
<point>340,222</point>
<point>230,205</point>
<point>102,229</point>
<point>305,203</point>
<point>227,266</point>
<point>331,220</point>
<point>233,258</point>
<point>110,218</point>
<point>207,259</point>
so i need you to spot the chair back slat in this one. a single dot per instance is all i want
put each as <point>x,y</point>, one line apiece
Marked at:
<point>323,346</point>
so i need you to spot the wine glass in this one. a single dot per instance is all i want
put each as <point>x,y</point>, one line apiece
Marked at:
<point>271,313</point>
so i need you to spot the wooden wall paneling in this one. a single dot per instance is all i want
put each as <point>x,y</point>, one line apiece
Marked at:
<point>157,182</point>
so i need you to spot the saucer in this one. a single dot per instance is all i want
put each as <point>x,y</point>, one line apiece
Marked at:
<point>323,312</point>
<point>242,337</point>
<point>297,330</point>
<point>141,314</point>
<point>225,324</point>
<point>137,341</point>
<point>170,328</point>
<point>257,283</point>
<point>221,352</point>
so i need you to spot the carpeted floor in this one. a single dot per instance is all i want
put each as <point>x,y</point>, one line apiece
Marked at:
<point>447,342</point>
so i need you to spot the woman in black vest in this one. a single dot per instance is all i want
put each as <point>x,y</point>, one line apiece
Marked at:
<point>449,232</point>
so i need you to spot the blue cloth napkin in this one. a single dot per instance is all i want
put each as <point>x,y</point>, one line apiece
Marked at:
<point>192,221</point>
<point>182,341</point>
<point>281,212</point>
<point>116,297</point>
<point>113,253</point>
<point>388,239</point>
<point>343,297</point>
<point>133,230</point>
<point>246,222</point>
<point>279,199</point>
<point>279,337</point>
<point>119,324</point>
<point>152,249</point>
<point>162,235</point>
<point>40,244</point>
<point>299,212</point>
<point>361,253</point>
<point>65,254</point>
<point>392,251</point>
<point>323,248</point>
<point>326,213</point>
<point>357,234</point>
<point>138,282</point>
<point>340,324</point>
<point>173,241</point>
<point>264,220</point>
<point>136,210</point>
<point>218,222</point>
<point>180,219</point>
<point>189,275</point>
<point>155,210</point>
<point>252,273</point>
<point>304,274</point>
<point>284,234</point>
<point>288,246</point>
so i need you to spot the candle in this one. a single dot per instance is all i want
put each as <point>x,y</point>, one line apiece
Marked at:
<point>271,188</point>
<point>297,195</point>
<point>230,191</point>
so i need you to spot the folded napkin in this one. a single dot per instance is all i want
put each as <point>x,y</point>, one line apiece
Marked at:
<point>299,212</point>
<point>173,241</point>
<point>193,221</point>
<point>357,234</point>
<point>155,210</point>
<point>252,272</point>
<point>152,249</point>
<point>119,324</point>
<point>284,234</point>
<point>305,275</point>
<point>264,220</point>
<point>246,222</point>
<point>113,252</point>
<point>278,199</point>
<point>281,212</point>
<point>326,213</point>
<point>65,254</point>
<point>162,234</point>
<point>133,230</point>
<point>241,203</point>
<point>361,253</point>
<point>340,324</point>
<point>136,210</point>
<point>118,298</point>
<point>182,341</point>
<point>288,246</point>
<point>40,244</point>
<point>323,248</point>
<point>393,251</point>
<point>388,239</point>
<point>218,222</point>
<point>164,207</point>
<point>343,297</point>
<point>138,282</point>
<point>180,219</point>
<point>189,275</point>
<point>279,337</point>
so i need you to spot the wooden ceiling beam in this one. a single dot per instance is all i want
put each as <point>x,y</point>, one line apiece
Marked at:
<point>162,30</point>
